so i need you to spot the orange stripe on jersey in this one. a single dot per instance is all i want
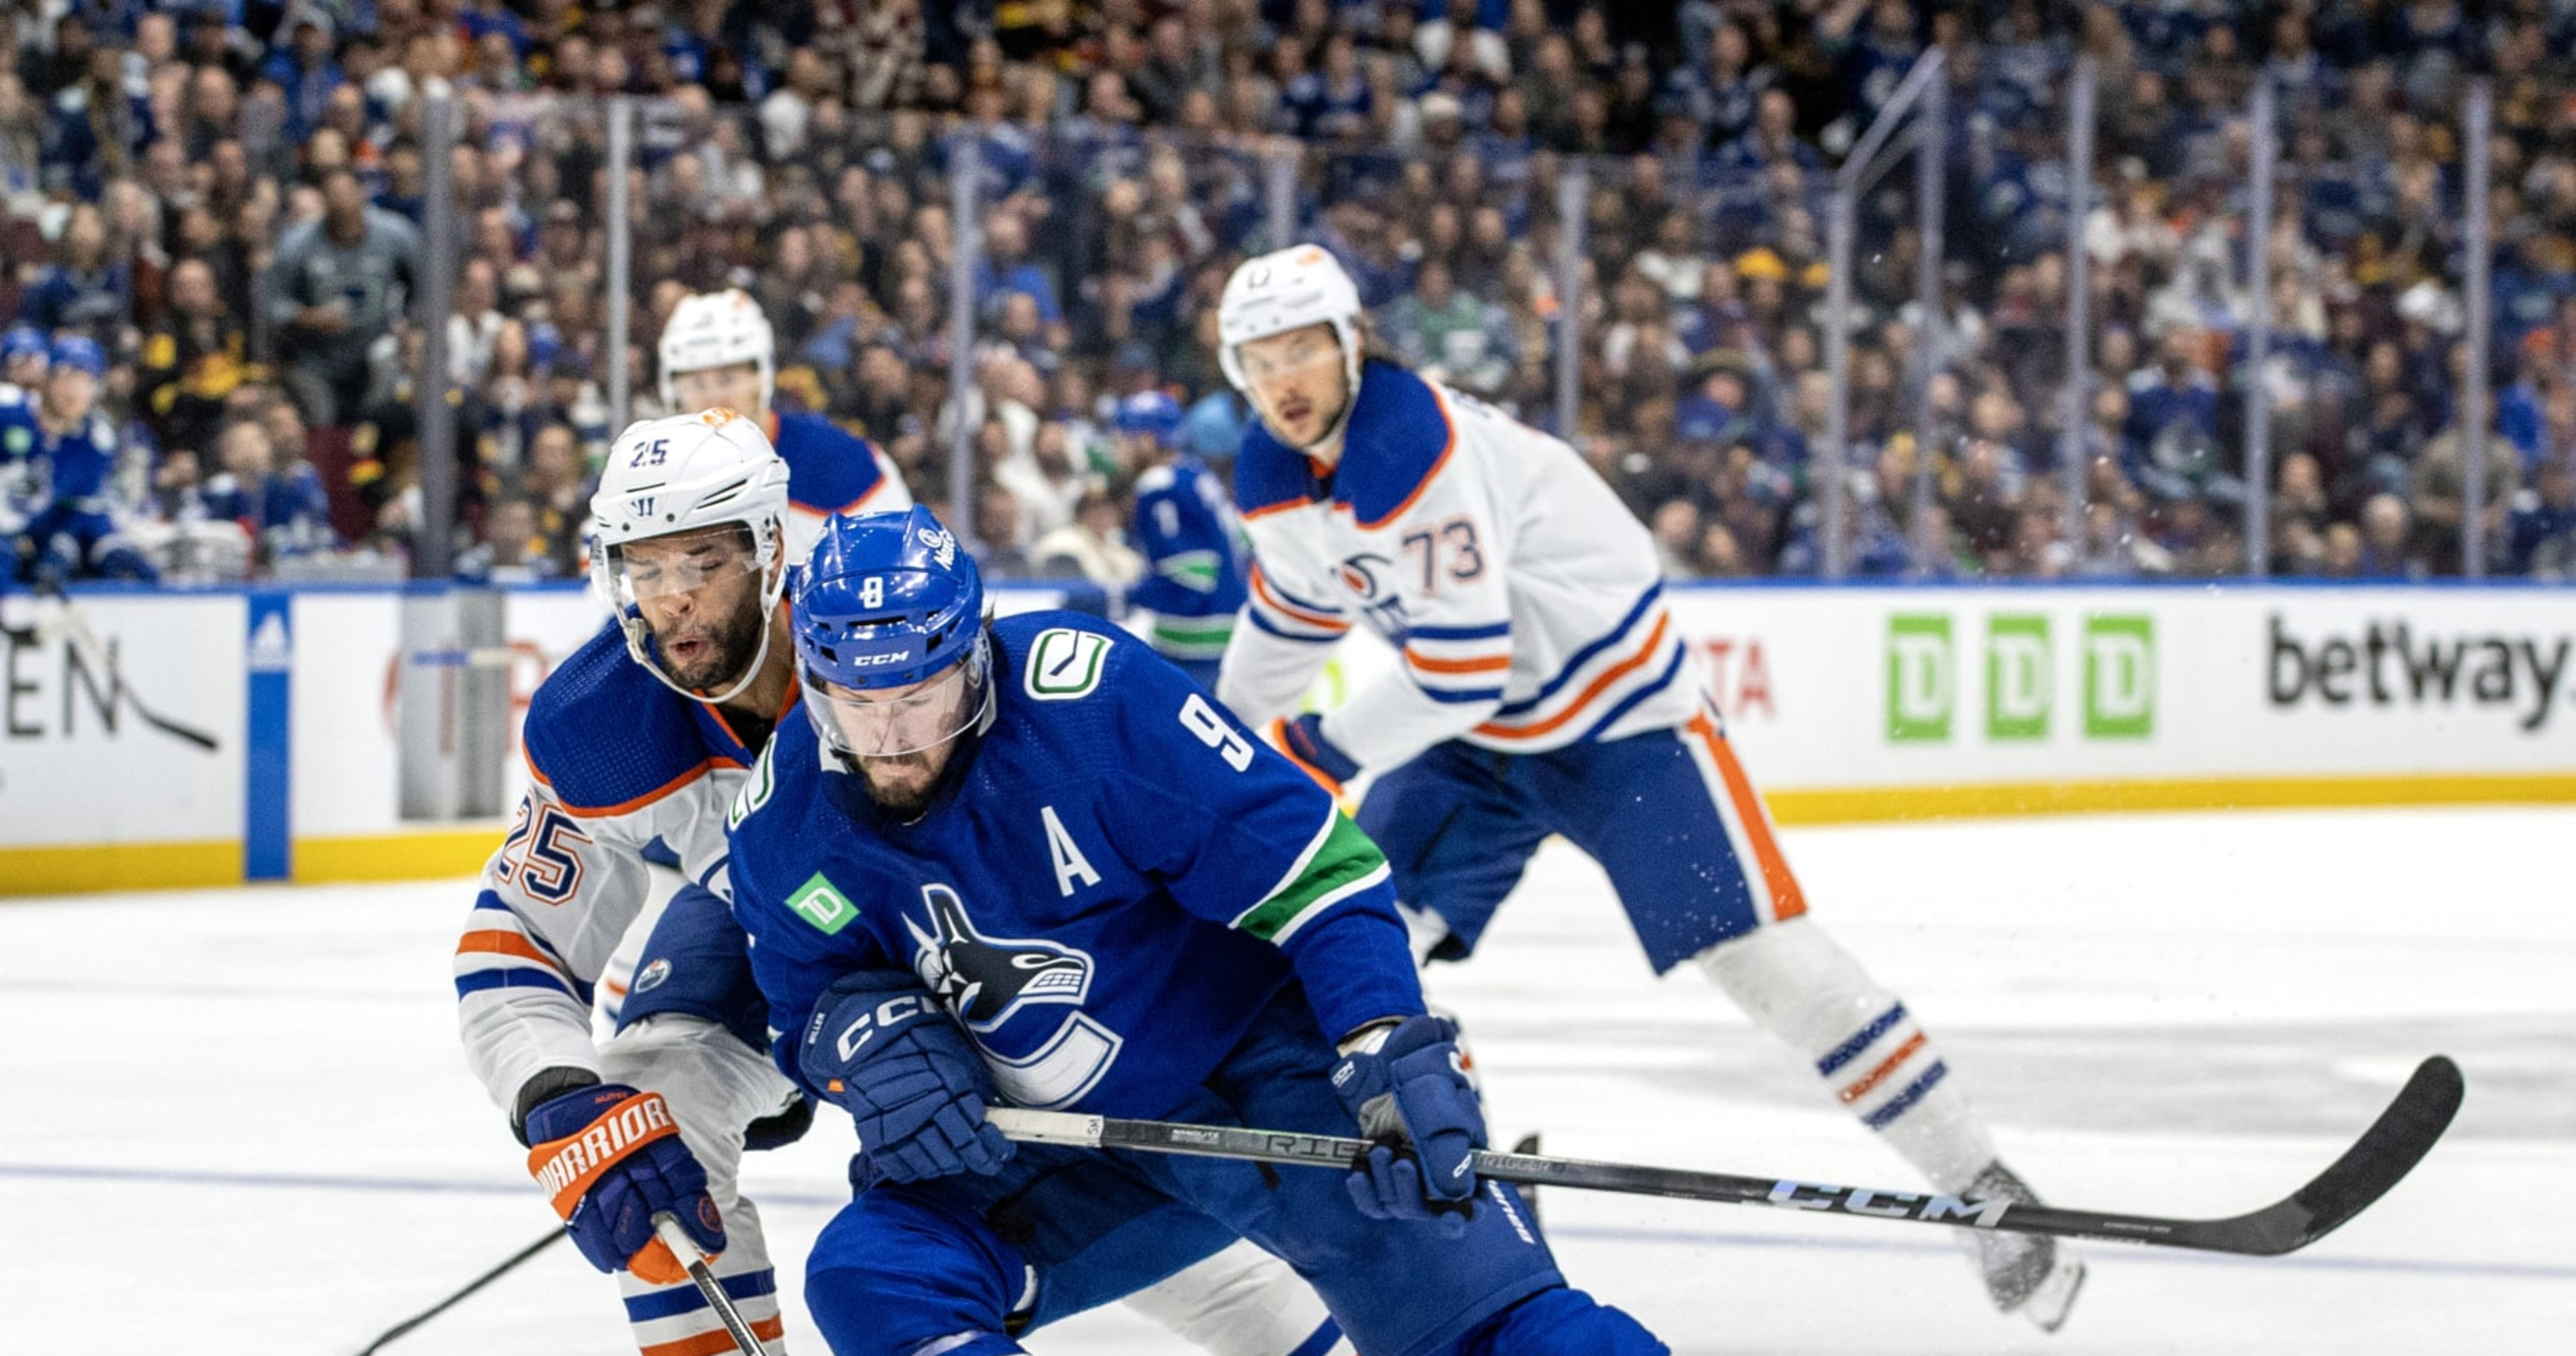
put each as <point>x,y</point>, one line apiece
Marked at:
<point>1270,596</point>
<point>1786,900</point>
<point>496,942</point>
<point>1494,664</point>
<point>1885,1067</point>
<point>1428,476</point>
<point>639,802</point>
<point>1654,642</point>
<point>1281,507</point>
<point>717,1343</point>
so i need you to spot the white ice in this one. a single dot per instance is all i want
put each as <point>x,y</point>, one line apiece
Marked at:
<point>236,1123</point>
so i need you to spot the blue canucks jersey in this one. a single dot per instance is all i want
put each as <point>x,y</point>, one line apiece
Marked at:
<point>1194,578</point>
<point>1105,894</point>
<point>73,466</point>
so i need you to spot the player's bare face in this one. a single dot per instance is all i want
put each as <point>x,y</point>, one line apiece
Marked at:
<point>735,388</point>
<point>70,394</point>
<point>1298,382</point>
<point>699,593</point>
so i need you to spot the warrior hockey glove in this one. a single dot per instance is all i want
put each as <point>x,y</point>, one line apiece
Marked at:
<point>881,1048</point>
<point>1302,739</point>
<point>1410,1092</point>
<point>611,1159</point>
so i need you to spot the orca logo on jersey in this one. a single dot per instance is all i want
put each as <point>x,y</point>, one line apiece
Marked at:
<point>986,979</point>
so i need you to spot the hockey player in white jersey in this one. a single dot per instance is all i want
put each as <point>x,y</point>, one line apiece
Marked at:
<point>1542,688</point>
<point>719,352</point>
<point>636,747</point>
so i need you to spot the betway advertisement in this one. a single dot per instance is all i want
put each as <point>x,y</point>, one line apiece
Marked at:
<point>1891,688</point>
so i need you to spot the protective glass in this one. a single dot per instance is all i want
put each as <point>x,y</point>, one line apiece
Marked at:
<point>639,572</point>
<point>867,725</point>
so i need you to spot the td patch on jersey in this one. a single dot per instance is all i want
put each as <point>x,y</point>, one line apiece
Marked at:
<point>822,904</point>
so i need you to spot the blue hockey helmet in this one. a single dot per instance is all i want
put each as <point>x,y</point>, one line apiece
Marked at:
<point>79,354</point>
<point>22,341</point>
<point>1151,413</point>
<point>890,600</point>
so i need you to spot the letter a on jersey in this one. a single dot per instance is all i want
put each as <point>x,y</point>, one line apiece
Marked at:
<point>1071,867</point>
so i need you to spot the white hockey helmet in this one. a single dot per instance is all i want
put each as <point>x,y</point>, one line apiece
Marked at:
<point>679,474</point>
<point>1288,290</point>
<point>718,329</point>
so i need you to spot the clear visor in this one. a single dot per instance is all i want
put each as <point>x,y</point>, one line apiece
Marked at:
<point>878,725</point>
<point>663,567</point>
<point>1292,354</point>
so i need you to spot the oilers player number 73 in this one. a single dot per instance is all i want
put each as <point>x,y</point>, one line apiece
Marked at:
<point>1543,687</point>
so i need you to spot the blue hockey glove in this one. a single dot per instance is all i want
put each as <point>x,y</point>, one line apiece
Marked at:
<point>1302,739</point>
<point>1411,1095</point>
<point>611,1159</point>
<point>880,1047</point>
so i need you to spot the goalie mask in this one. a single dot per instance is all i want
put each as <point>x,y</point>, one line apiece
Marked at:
<point>889,625</point>
<point>686,506</point>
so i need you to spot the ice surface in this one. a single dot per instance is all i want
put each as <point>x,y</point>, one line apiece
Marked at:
<point>236,1122</point>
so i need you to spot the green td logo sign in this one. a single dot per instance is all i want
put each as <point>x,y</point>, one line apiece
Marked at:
<point>2020,677</point>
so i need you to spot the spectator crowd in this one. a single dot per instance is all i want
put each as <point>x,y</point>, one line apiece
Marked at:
<point>230,198</point>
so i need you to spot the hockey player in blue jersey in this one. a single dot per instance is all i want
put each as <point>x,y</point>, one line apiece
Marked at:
<point>71,531</point>
<point>718,351</point>
<point>636,745</point>
<point>1185,526</point>
<point>1542,687</point>
<point>1029,859</point>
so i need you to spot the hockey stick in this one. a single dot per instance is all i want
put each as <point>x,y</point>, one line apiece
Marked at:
<point>471,1286</point>
<point>677,1240</point>
<point>71,625</point>
<point>2383,1155</point>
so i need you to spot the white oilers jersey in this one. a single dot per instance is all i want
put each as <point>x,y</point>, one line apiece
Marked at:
<point>625,772</point>
<point>1523,598</point>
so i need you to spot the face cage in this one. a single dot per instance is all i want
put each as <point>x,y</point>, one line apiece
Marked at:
<point>915,723</point>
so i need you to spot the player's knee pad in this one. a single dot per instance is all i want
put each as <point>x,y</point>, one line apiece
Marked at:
<point>1561,1322</point>
<point>1797,983</point>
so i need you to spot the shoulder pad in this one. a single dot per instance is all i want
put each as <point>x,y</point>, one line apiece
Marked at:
<point>606,736</point>
<point>829,469</point>
<point>1400,436</point>
<point>1054,656</point>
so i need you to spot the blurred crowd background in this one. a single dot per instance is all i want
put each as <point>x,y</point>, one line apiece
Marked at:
<point>228,197</point>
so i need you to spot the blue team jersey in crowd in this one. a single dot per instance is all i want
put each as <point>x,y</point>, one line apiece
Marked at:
<point>1194,560</point>
<point>74,466</point>
<point>1105,894</point>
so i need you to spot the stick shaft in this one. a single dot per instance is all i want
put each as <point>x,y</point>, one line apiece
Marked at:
<point>684,1248</point>
<point>470,1287</point>
<point>2383,1155</point>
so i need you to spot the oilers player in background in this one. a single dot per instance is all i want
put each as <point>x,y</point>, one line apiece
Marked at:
<point>1186,528</point>
<point>65,472</point>
<point>718,351</point>
<point>636,745</point>
<point>1028,858</point>
<point>1542,687</point>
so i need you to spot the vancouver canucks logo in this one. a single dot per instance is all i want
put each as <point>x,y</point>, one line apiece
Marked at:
<point>986,979</point>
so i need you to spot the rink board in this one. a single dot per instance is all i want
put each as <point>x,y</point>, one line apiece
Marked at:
<point>210,738</point>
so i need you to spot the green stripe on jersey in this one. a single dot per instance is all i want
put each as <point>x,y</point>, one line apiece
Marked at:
<point>1190,638</point>
<point>1343,863</point>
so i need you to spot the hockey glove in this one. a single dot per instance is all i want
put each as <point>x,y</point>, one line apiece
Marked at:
<point>880,1047</point>
<point>611,1159</point>
<point>1302,739</point>
<point>1409,1092</point>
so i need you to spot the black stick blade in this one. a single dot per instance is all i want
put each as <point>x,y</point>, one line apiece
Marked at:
<point>2379,1160</point>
